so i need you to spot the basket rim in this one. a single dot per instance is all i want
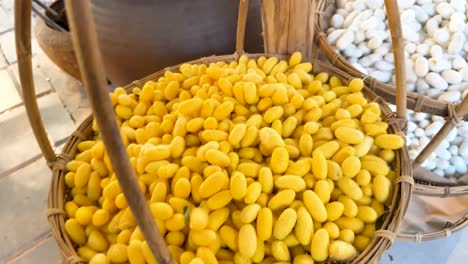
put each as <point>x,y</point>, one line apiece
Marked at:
<point>380,242</point>
<point>416,102</point>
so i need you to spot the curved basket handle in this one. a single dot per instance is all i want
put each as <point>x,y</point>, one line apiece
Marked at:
<point>92,69</point>
<point>23,51</point>
<point>241,24</point>
<point>394,24</point>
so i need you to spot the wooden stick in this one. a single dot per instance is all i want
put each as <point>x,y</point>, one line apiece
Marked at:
<point>241,23</point>
<point>460,110</point>
<point>394,24</point>
<point>91,67</point>
<point>23,51</point>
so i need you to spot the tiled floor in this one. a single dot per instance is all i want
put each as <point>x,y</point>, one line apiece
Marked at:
<point>24,178</point>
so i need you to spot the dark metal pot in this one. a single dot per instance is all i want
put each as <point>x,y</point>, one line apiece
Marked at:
<point>139,37</point>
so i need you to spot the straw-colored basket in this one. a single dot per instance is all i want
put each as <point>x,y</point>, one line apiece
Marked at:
<point>92,72</point>
<point>426,182</point>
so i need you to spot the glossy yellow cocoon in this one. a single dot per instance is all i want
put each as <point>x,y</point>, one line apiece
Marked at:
<point>303,259</point>
<point>367,214</point>
<point>351,166</point>
<point>284,224</point>
<point>253,192</point>
<point>292,182</point>
<point>75,231</point>
<point>199,218</point>
<point>323,191</point>
<point>279,160</point>
<point>319,165</point>
<point>219,200</point>
<point>381,187</point>
<point>350,207</point>
<point>97,241</point>
<point>315,206</point>
<point>349,135</point>
<point>334,210</point>
<point>217,218</point>
<point>350,188</point>
<point>161,210</point>
<point>319,245</point>
<point>282,199</point>
<point>389,141</point>
<point>247,240</point>
<point>212,184</point>
<point>117,253</point>
<point>354,224</point>
<point>304,228</point>
<point>341,251</point>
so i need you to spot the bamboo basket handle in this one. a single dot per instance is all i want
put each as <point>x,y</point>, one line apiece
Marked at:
<point>241,24</point>
<point>455,116</point>
<point>394,24</point>
<point>92,69</point>
<point>23,51</point>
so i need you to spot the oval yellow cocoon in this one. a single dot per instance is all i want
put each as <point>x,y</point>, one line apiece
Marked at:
<point>389,141</point>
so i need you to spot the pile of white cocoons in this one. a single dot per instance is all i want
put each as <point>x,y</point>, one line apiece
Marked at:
<point>435,34</point>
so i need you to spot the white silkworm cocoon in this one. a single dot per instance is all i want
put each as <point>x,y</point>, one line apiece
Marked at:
<point>374,42</point>
<point>464,73</point>
<point>419,116</point>
<point>421,67</point>
<point>419,132</point>
<point>412,126</point>
<point>345,40</point>
<point>337,21</point>
<point>451,76</point>
<point>445,10</point>
<point>436,51</point>
<point>359,37</point>
<point>335,35</point>
<point>383,49</point>
<point>359,5</point>
<point>349,18</point>
<point>421,85</point>
<point>382,76</point>
<point>459,164</point>
<point>463,149</point>
<point>410,34</point>
<point>404,4</point>
<point>433,92</point>
<point>380,14</point>
<point>429,8</point>
<point>457,22</point>
<point>436,81</point>
<point>456,43</point>
<point>458,5</point>
<point>363,47</point>
<point>433,24</point>
<point>453,149</point>
<point>422,2</point>
<point>374,4</point>
<point>443,154</point>
<point>441,36</point>
<point>384,66</point>
<point>410,48</point>
<point>422,49</point>
<point>353,51</point>
<point>450,96</point>
<point>458,62</point>
<point>420,14</point>
<point>389,57</point>
<point>433,128</point>
<point>438,64</point>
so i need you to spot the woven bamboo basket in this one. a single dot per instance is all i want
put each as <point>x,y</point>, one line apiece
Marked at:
<point>91,67</point>
<point>426,182</point>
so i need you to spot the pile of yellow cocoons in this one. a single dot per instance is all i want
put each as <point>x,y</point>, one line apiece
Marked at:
<point>252,161</point>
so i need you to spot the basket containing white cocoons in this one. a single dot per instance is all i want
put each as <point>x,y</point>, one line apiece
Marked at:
<point>240,158</point>
<point>356,39</point>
